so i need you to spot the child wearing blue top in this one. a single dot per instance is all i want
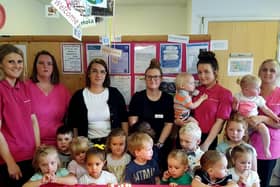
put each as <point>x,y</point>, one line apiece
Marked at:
<point>143,169</point>
<point>47,166</point>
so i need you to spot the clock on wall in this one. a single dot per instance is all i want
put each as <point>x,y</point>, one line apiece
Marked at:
<point>2,16</point>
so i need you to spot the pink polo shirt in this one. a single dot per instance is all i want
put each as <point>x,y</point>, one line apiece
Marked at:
<point>218,105</point>
<point>273,102</point>
<point>50,110</point>
<point>15,115</point>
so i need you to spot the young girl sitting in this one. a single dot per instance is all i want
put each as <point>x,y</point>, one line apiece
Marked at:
<point>176,174</point>
<point>47,165</point>
<point>78,148</point>
<point>95,160</point>
<point>247,103</point>
<point>213,171</point>
<point>117,158</point>
<point>235,134</point>
<point>241,172</point>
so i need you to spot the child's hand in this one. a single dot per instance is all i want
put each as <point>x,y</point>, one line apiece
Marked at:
<point>204,97</point>
<point>165,176</point>
<point>173,184</point>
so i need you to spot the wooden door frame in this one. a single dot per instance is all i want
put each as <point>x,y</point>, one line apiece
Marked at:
<point>206,20</point>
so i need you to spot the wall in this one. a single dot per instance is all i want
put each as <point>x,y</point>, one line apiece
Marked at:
<point>233,9</point>
<point>132,17</point>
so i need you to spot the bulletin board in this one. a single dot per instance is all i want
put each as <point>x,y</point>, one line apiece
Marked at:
<point>128,70</point>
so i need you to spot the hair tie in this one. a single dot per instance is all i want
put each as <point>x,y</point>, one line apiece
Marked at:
<point>99,146</point>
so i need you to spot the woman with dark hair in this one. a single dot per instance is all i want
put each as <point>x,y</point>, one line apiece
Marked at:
<point>18,123</point>
<point>96,109</point>
<point>214,111</point>
<point>51,98</point>
<point>155,107</point>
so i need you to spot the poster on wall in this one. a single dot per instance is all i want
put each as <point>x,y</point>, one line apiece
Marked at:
<point>120,65</point>
<point>143,53</point>
<point>171,57</point>
<point>72,58</point>
<point>192,52</point>
<point>94,51</point>
<point>123,85</point>
<point>139,83</point>
<point>239,66</point>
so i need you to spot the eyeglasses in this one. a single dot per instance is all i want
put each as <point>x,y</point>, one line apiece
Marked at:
<point>45,63</point>
<point>155,77</point>
<point>95,71</point>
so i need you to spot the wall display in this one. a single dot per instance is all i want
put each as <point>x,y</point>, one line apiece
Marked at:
<point>143,53</point>
<point>72,58</point>
<point>94,51</point>
<point>122,82</point>
<point>120,65</point>
<point>239,66</point>
<point>128,71</point>
<point>171,57</point>
<point>192,52</point>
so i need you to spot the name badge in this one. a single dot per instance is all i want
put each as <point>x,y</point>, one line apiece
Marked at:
<point>158,116</point>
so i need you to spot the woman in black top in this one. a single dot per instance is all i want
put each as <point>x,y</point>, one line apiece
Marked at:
<point>155,107</point>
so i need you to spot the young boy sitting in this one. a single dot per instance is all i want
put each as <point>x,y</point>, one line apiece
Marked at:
<point>64,136</point>
<point>190,135</point>
<point>143,169</point>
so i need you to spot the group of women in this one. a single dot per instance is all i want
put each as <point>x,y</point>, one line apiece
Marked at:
<point>30,112</point>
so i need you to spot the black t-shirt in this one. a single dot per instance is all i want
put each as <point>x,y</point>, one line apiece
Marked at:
<point>154,112</point>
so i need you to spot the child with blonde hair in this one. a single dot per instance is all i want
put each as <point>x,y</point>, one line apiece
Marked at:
<point>189,136</point>
<point>143,169</point>
<point>236,133</point>
<point>247,103</point>
<point>95,161</point>
<point>117,158</point>
<point>185,88</point>
<point>213,171</point>
<point>176,174</point>
<point>47,166</point>
<point>78,148</point>
<point>242,173</point>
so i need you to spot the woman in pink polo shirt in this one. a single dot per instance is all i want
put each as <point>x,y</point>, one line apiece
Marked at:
<point>213,112</point>
<point>51,98</point>
<point>17,121</point>
<point>269,72</point>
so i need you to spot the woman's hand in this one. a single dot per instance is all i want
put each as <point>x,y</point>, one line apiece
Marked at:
<point>14,170</point>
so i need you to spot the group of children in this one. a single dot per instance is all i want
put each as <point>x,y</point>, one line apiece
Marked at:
<point>112,164</point>
<point>134,159</point>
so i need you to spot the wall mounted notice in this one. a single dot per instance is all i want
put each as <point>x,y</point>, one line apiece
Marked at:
<point>240,65</point>
<point>72,58</point>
